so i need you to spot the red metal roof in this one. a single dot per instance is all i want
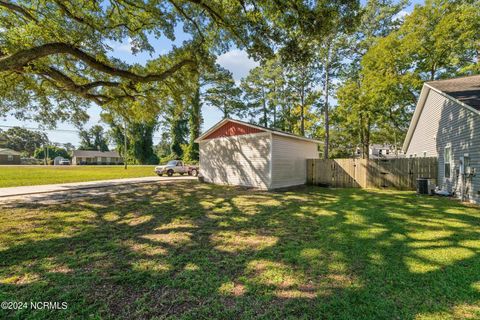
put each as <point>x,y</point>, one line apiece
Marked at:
<point>230,129</point>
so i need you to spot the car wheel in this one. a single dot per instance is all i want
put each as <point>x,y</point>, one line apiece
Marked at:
<point>160,174</point>
<point>170,173</point>
<point>194,172</point>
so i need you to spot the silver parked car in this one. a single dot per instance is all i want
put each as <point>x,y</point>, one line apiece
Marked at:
<point>64,162</point>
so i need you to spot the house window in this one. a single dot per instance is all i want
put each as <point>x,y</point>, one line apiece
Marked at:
<point>447,159</point>
<point>10,157</point>
<point>99,159</point>
<point>109,159</point>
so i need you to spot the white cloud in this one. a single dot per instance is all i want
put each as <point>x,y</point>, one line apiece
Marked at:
<point>401,15</point>
<point>237,62</point>
<point>124,46</point>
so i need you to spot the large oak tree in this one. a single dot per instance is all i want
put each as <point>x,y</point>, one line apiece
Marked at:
<point>55,56</point>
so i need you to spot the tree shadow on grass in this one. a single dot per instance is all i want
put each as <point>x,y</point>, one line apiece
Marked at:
<point>192,250</point>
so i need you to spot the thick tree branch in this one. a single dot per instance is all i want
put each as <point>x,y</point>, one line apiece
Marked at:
<point>56,76</point>
<point>97,84</point>
<point>21,59</point>
<point>17,9</point>
<point>64,83</point>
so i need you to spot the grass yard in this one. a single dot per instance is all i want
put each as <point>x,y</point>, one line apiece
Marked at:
<point>14,176</point>
<point>196,251</point>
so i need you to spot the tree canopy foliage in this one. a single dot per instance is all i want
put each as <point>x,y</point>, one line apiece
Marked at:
<point>327,69</point>
<point>55,55</point>
<point>52,152</point>
<point>93,139</point>
<point>438,40</point>
<point>22,140</point>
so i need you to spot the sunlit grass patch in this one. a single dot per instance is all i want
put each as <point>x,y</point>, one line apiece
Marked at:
<point>12,176</point>
<point>145,248</point>
<point>272,273</point>
<point>133,219</point>
<point>233,241</point>
<point>430,235</point>
<point>150,265</point>
<point>171,238</point>
<point>232,288</point>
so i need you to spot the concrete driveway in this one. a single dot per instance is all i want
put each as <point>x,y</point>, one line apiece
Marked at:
<point>76,189</point>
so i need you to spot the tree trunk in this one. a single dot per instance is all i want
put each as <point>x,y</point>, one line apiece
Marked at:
<point>125,146</point>
<point>367,138</point>
<point>362,137</point>
<point>302,111</point>
<point>225,111</point>
<point>264,100</point>
<point>274,104</point>
<point>327,113</point>
<point>195,121</point>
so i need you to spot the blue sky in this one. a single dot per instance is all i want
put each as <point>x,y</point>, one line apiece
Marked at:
<point>235,60</point>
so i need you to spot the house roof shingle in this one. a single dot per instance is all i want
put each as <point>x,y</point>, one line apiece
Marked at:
<point>92,154</point>
<point>464,89</point>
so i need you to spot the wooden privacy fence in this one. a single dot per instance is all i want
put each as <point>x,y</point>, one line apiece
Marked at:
<point>401,174</point>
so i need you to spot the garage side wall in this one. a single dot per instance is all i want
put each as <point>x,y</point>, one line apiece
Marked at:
<point>289,161</point>
<point>238,160</point>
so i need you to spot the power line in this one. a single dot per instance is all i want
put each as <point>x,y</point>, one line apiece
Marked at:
<point>52,130</point>
<point>42,129</point>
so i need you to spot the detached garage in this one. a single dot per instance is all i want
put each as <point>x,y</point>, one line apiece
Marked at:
<point>238,153</point>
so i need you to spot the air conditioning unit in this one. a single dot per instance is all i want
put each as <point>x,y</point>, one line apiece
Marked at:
<point>432,185</point>
<point>426,186</point>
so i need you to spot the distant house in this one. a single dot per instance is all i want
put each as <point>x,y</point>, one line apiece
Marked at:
<point>446,124</point>
<point>381,151</point>
<point>83,157</point>
<point>9,156</point>
<point>385,151</point>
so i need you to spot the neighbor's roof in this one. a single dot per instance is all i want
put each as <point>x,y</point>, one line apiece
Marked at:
<point>10,152</point>
<point>465,91</point>
<point>382,146</point>
<point>89,153</point>
<point>274,131</point>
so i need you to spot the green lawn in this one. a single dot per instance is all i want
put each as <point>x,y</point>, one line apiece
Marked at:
<point>196,251</point>
<point>13,176</point>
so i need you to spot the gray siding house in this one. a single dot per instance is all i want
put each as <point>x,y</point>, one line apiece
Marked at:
<point>446,124</point>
